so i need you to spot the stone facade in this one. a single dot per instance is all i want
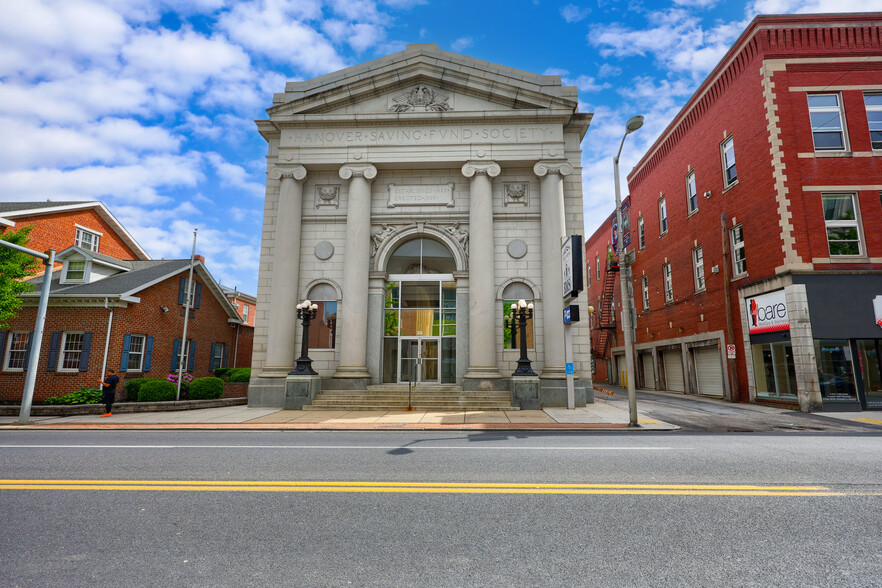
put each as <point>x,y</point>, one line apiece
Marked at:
<point>420,144</point>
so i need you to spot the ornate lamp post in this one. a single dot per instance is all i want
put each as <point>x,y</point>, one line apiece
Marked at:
<point>512,323</point>
<point>306,311</point>
<point>521,312</point>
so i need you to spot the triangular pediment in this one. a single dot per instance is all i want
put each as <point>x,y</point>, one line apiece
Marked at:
<point>424,79</point>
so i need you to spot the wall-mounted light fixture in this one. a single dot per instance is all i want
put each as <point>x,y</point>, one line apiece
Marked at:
<point>163,308</point>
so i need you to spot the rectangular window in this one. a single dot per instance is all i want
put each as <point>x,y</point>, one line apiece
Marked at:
<point>597,265</point>
<point>739,263</point>
<point>873,104</point>
<point>698,268</point>
<point>669,283</point>
<point>185,351</point>
<point>76,271</point>
<point>691,194</point>
<point>840,215</point>
<point>16,351</point>
<point>217,359</point>
<point>826,117</point>
<point>511,334</point>
<point>662,216</point>
<point>87,240</point>
<point>729,173</point>
<point>641,233</point>
<point>71,350</point>
<point>323,330</point>
<point>645,285</point>
<point>136,353</point>
<point>588,277</point>
<point>245,308</point>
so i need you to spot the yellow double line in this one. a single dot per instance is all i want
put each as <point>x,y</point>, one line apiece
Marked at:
<point>416,487</point>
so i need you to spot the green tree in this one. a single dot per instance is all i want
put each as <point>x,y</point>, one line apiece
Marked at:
<point>14,266</point>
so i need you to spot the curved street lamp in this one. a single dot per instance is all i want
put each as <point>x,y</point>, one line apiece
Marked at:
<point>634,123</point>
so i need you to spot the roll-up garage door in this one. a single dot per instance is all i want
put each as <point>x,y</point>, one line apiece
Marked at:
<point>674,381</point>
<point>648,372</point>
<point>708,370</point>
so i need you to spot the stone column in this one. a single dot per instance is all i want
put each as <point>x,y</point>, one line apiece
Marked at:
<point>281,344</point>
<point>482,275</point>
<point>462,323</point>
<point>353,318</point>
<point>376,324</point>
<point>553,227</point>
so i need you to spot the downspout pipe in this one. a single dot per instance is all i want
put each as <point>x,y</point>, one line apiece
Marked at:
<point>107,339</point>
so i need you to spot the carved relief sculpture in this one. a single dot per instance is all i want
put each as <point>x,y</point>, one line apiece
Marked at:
<point>327,196</point>
<point>420,98</point>
<point>515,195</point>
<point>378,237</point>
<point>460,234</point>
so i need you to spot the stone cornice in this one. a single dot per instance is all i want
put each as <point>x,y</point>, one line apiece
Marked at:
<point>563,168</point>
<point>491,168</point>
<point>297,172</point>
<point>365,170</point>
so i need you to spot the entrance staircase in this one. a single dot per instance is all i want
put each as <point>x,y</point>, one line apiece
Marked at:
<point>423,397</point>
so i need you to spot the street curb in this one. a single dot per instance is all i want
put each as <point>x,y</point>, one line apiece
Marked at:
<point>339,427</point>
<point>62,410</point>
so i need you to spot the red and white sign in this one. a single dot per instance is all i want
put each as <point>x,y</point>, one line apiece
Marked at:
<point>877,308</point>
<point>730,351</point>
<point>767,313</point>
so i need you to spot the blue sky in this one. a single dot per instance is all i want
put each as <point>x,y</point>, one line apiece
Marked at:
<point>148,105</point>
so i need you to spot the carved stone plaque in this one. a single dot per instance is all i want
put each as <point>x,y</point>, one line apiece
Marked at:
<point>421,195</point>
<point>517,249</point>
<point>324,250</point>
<point>515,194</point>
<point>327,196</point>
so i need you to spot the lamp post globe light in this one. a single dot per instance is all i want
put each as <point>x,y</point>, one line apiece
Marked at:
<point>306,311</point>
<point>521,312</point>
<point>634,123</point>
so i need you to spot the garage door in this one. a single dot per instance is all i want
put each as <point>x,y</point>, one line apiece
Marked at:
<point>648,372</point>
<point>674,371</point>
<point>708,370</point>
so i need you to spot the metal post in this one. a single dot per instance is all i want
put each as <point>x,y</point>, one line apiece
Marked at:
<point>27,399</point>
<point>522,312</point>
<point>305,312</point>
<point>184,344</point>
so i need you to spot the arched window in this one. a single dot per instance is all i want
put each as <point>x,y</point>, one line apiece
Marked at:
<point>511,294</point>
<point>323,331</point>
<point>421,256</point>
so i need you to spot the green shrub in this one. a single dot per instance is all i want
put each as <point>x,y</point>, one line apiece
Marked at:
<point>221,372</point>
<point>81,396</point>
<point>156,390</point>
<point>206,388</point>
<point>240,374</point>
<point>132,386</point>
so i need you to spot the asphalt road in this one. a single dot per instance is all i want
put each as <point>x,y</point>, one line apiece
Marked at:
<point>439,509</point>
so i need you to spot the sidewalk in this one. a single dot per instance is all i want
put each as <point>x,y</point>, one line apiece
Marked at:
<point>600,415</point>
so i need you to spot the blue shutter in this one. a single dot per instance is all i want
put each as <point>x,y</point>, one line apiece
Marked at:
<point>148,354</point>
<point>28,350</point>
<point>192,355</point>
<point>198,296</point>
<point>211,365</point>
<point>2,346</point>
<point>182,288</point>
<point>176,354</point>
<point>54,344</point>
<point>124,362</point>
<point>84,356</point>
<point>226,348</point>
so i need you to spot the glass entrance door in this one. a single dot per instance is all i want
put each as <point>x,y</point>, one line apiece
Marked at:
<point>419,360</point>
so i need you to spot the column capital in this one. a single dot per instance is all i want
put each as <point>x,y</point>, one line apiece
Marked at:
<point>297,172</point>
<point>491,168</point>
<point>563,168</point>
<point>365,170</point>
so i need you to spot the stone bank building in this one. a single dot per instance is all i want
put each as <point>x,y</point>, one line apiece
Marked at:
<point>413,198</point>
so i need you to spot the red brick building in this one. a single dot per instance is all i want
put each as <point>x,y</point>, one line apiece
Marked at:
<point>125,314</point>
<point>245,305</point>
<point>756,223</point>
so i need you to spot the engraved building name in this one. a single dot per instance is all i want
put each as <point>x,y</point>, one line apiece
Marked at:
<point>421,195</point>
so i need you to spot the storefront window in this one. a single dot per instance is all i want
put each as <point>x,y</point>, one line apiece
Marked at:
<point>835,371</point>
<point>774,371</point>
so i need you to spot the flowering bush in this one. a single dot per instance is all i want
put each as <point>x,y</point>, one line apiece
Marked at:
<point>185,382</point>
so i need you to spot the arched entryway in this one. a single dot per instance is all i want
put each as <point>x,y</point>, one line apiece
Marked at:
<point>419,337</point>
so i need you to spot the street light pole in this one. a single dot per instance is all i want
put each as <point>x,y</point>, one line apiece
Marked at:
<point>306,312</point>
<point>634,123</point>
<point>521,312</point>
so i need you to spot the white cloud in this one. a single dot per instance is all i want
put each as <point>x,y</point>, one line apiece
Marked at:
<point>359,36</point>
<point>236,176</point>
<point>608,71</point>
<point>812,6</point>
<point>574,13</point>
<point>696,3</point>
<point>461,44</point>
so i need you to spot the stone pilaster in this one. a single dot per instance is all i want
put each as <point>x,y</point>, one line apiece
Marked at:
<point>284,286</point>
<point>553,226</point>
<point>353,318</point>
<point>482,275</point>
<point>376,324</point>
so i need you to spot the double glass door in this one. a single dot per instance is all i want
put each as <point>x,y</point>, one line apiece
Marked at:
<point>419,360</point>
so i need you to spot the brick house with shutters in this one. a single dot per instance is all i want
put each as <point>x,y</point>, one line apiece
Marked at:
<point>245,305</point>
<point>126,314</point>
<point>778,257</point>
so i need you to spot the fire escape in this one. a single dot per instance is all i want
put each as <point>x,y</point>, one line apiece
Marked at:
<point>606,321</point>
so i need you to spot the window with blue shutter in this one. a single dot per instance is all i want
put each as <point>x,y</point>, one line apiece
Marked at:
<point>148,354</point>
<point>84,355</point>
<point>28,352</point>
<point>176,354</point>
<point>3,347</point>
<point>124,362</point>
<point>198,296</point>
<point>182,288</point>
<point>211,366</point>
<point>191,352</point>
<point>226,349</point>
<point>54,345</point>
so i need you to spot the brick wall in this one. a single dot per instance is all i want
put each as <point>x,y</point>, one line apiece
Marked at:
<point>207,325</point>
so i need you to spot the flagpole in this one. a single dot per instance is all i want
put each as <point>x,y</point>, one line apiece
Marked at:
<point>184,345</point>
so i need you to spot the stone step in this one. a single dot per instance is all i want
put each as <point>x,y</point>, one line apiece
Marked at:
<point>444,408</point>
<point>381,396</point>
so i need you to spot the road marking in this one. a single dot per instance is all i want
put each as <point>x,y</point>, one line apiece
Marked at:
<point>867,420</point>
<point>343,447</point>
<point>424,487</point>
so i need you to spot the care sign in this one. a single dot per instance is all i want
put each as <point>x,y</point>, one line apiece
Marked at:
<point>767,313</point>
<point>571,266</point>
